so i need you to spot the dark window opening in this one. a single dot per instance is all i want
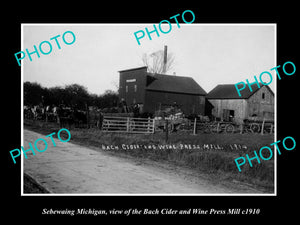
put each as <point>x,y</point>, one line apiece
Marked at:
<point>228,115</point>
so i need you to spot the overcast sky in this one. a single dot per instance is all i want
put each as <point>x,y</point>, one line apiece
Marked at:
<point>212,54</point>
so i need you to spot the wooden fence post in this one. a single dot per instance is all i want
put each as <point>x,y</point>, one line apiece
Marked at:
<point>271,129</point>
<point>87,115</point>
<point>195,126</point>
<point>167,131</point>
<point>148,125</point>
<point>127,125</point>
<point>153,126</point>
<point>262,127</point>
<point>242,128</point>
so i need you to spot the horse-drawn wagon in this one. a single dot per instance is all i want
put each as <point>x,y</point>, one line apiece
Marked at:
<point>249,125</point>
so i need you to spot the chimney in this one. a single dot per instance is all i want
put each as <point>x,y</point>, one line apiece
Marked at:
<point>165,58</point>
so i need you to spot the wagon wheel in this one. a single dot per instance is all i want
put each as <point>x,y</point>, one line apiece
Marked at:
<point>178,127</point>
<point>214,128</point>
<point>170,126</point>
<point>229,128</point>
<point>247,129</point>
<point>207,129</point>
<point>222,127</point>
<point>272,129</point>
<point>269,129</point>
<point>255,127</point>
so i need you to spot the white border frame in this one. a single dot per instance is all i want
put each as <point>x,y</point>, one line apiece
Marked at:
<point>142,194</point>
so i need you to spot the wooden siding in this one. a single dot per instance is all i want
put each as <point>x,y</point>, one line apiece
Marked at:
<point>261,104</point>
<point>238,105</point>
<point>161,91</point>
<point>133,94</point>
<point>189,104</point>
<point>262,107</point>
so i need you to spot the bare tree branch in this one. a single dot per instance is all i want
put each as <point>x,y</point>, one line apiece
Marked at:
<point>155,62</point>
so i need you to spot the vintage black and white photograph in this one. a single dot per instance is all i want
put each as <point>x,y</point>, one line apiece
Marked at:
<point>131,109</point>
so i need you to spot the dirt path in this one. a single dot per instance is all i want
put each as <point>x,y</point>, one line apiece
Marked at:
<point>73,169</point>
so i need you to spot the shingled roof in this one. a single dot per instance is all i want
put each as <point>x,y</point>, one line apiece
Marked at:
<point>228,91</point>
<point>175,84</point>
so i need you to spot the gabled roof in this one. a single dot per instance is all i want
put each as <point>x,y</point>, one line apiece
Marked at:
<point>138,68</point>
<point>228,91</point>
<point>176,84</point>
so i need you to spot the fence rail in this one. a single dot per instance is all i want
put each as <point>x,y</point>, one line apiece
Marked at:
<point>128,125</point>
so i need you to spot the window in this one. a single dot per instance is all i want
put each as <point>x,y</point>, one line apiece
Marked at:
<point>228,115</point>
<point>135,88</point>
<point>126,88</point>
<point>263,95</point>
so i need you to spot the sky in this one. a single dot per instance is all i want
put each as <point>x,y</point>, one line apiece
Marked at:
<point>211,54</point>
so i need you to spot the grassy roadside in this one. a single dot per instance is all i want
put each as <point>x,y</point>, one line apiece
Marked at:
<point>31,186</point>
<point>212,153</point>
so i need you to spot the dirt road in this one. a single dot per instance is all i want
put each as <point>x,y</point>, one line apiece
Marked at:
<point>72,169</point>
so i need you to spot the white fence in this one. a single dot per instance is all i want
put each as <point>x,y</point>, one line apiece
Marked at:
<point>128,125</point>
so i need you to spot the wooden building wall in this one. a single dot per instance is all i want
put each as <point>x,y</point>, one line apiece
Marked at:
<point>188,103</point>
<point>133,89</point>
<point>261,104</point>
<point>132,85</point>
<point>238,105</point>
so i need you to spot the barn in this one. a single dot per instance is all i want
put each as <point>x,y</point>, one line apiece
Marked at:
<point>228,106</point>
<point>153,92</point>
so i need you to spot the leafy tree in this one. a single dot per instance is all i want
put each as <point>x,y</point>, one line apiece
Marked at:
<point>110,99</point>
<point>33,93</point>
<point>55,96</point>
<point>73,95</point>
<point>76,95</point>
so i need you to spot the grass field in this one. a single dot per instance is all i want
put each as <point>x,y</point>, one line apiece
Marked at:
<point>207,153</point>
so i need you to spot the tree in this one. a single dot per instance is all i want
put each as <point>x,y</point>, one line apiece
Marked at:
<point>108,99</point>
<point>155,62</point>
<point>55,96</point>
<point>76,95</point>
<point>33,93</point>
<point>73,95</point>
